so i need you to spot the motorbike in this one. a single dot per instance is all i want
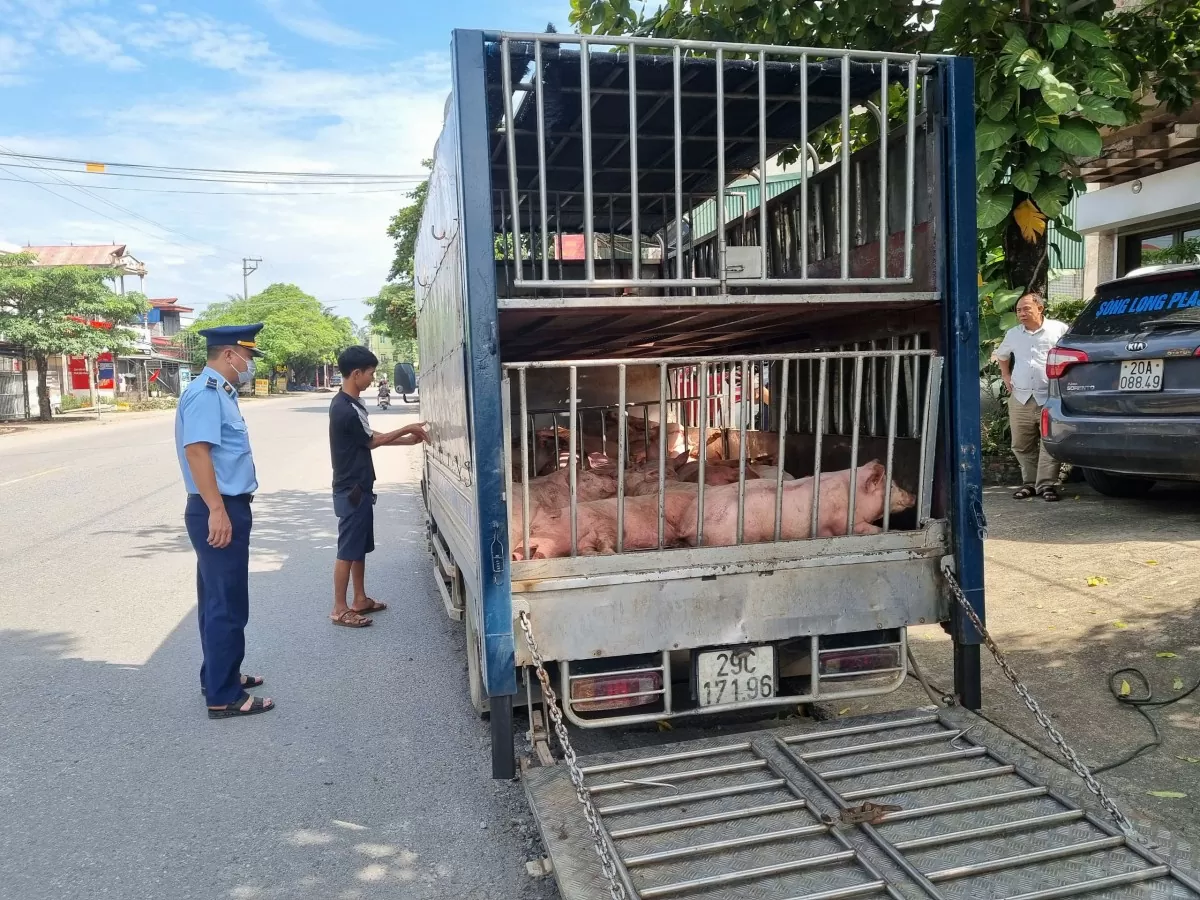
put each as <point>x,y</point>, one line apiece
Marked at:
<point>385,399</point>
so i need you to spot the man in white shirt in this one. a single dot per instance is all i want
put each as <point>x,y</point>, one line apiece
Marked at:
<point>1022,359</point>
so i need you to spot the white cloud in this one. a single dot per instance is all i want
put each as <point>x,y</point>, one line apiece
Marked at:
<point>85,42</point>
<point>307,19</point>
<point>203,40</point>
<point>147,9</point>
<point>276,116</point>
<point>13,56</point>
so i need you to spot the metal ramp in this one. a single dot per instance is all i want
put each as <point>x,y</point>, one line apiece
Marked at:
<point>930,804</point>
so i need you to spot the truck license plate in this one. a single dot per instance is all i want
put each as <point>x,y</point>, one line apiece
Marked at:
<point>735,675</point>
<point>1141,375</point>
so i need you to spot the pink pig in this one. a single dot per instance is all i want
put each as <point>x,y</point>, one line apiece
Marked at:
<point>721,504</point>
<point>596,523</point>
<point>551,492</point>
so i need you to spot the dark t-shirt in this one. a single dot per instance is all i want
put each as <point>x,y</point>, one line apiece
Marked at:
<point>350,444</point>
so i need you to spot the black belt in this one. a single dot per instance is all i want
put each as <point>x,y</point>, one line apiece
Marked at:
<point>247,498</point>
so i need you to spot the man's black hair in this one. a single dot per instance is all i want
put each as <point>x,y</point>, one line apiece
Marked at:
<point>354,358</point>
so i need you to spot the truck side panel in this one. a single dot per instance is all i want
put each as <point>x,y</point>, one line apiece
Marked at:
<point>474,230</point>
<point>962,342</point>
<point>439,298</point>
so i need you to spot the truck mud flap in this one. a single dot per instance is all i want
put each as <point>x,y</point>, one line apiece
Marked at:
<point>933,804</point>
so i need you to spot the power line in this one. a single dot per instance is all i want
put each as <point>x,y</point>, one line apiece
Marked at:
<point>136,190</point>
<point>406,181</point>
<point>64,159</point>
<point>96,212</point>
<point>123,209</point>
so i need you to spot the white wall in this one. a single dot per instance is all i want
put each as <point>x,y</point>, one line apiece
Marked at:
<point>1124,206</point>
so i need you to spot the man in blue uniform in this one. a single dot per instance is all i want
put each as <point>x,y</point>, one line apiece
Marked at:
<point>218,471</point>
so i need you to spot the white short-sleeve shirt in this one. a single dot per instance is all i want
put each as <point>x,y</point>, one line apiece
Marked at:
<point>1029,350</point>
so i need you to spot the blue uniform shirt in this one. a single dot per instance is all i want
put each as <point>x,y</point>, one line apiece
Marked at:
<point>208,413</point>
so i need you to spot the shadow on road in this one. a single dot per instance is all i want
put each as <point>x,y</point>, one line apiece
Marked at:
<point>370,780</point>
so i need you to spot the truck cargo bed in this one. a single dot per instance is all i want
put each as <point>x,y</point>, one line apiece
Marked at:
<point>974,814</point>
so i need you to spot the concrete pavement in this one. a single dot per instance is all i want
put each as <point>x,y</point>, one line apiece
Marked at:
<point>371,779</point>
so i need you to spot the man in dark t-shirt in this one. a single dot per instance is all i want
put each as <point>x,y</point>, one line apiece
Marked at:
<point>351,441</point>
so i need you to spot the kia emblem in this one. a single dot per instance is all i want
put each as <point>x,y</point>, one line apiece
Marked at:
<point>1135,346</point>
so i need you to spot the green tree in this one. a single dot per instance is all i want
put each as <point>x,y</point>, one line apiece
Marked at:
<point>1049,75</point>
<point>51,309</point>
<point>297,330</point>
<point>394,314</point>
<point>403,230</point>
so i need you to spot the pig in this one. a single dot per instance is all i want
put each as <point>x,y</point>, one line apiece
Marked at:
<point>553,491</point>
<point>721,503</point>
<point>596,523</point>
<point>716,472</point>
<point>590,450</point>
<point>769,473</point>
<point>642,433</point>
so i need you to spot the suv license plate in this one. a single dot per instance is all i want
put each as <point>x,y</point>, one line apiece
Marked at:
<point>1141,375</point>
<point>735,675</point>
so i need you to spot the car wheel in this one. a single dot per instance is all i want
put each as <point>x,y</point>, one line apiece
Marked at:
<point>1112,485</point>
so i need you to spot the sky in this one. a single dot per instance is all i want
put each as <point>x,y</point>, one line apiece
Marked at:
<point>274,85</point>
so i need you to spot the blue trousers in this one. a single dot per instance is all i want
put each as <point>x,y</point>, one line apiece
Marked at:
<point>222,597</point>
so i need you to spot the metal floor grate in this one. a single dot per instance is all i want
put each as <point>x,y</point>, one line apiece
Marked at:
<point>761,817</point>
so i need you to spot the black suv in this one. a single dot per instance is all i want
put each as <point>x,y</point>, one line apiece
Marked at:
<point>1125,383</point>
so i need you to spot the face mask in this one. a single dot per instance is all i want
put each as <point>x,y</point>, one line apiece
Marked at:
<point>247,376</point>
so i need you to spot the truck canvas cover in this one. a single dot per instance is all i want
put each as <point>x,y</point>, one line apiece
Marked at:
<point>933,803</point>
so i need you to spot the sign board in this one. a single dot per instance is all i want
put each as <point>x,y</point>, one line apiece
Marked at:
<point>261,386</point>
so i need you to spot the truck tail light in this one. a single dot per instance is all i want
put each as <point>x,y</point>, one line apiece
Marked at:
<point>1045,422</point>
<point>1059,359</point>
<point>859,661</point>
<point>594,693</point>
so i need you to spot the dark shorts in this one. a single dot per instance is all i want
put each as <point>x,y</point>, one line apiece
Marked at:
<point>356,526</point>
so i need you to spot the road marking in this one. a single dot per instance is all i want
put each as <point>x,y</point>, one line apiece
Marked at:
<point>34,475</point>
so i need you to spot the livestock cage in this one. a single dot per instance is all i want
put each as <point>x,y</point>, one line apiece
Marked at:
<point>596,301</point>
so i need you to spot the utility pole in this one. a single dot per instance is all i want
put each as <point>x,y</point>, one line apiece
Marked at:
<point>249,266</point>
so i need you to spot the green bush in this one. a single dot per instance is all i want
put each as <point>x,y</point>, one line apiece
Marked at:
<point>69,402</point>
<point>153,403</point>
<point>1066,310</point>
<point>995,435</point>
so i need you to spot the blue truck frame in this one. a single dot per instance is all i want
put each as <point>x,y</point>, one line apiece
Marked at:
<point>470,251</point>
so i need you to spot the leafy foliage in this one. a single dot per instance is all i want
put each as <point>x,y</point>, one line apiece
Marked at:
<point>297,330</point>
<point>51,309</point>
<point>1187,251</point>
<point>1049,75</point>
<point>394,313</point>
<point>403,230</point>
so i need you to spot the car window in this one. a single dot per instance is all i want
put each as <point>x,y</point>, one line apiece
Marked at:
<point>1127,308</point>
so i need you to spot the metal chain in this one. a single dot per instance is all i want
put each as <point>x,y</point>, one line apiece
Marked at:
<point>1068,754</point>
<point>607,862</point>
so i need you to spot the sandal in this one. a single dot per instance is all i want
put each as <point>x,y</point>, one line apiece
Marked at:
<point>257,705</point>
<point>1024,492</point>
<point>350,619</point>
<point>1049,494</point>
<point>248,681</point>
<point>373,608</point>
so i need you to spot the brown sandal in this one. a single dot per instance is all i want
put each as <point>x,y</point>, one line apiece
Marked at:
<point>350,619</point>
<point>375,607</point>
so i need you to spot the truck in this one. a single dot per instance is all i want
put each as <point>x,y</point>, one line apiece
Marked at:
<point>698,332</point>
<point>585,281</point>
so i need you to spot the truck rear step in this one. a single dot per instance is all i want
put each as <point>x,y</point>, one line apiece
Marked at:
<point>922,804</point>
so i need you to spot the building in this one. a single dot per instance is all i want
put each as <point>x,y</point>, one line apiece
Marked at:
<point>159,360</point>
<point>157,363</point>
<point>92,256</point>
<point>1143,201</point>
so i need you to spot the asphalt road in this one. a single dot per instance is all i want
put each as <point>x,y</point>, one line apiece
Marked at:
<point>370,780</point>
